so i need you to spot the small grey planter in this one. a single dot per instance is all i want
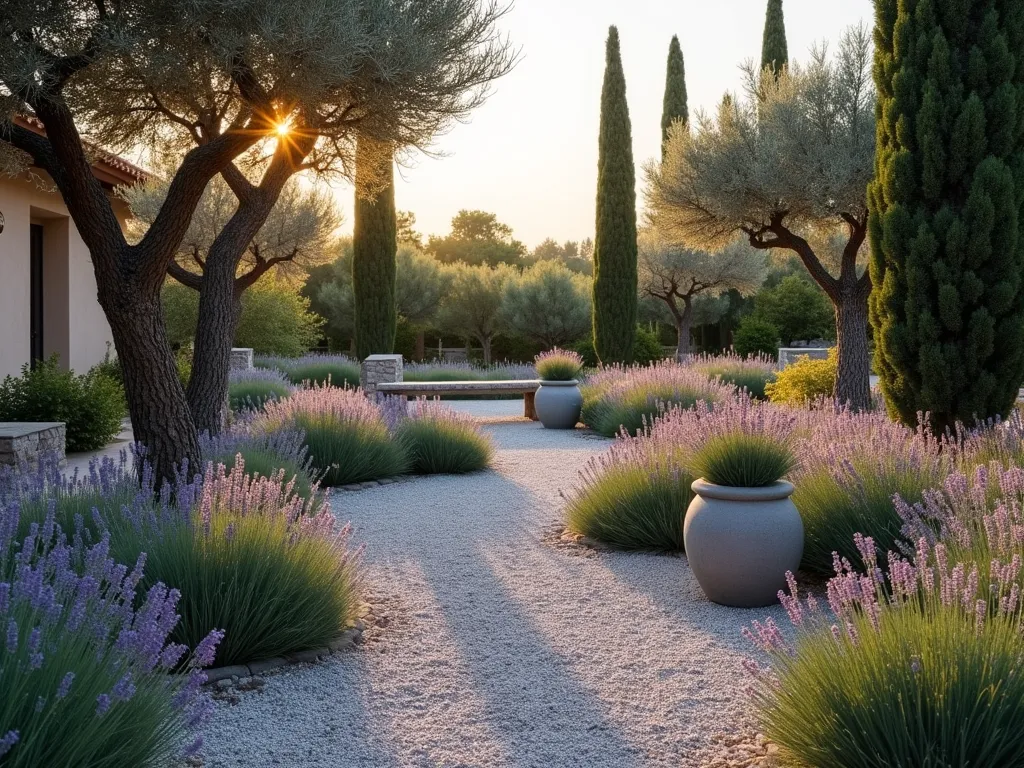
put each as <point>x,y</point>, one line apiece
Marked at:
<point>558,404</point>
<point>741,541</point>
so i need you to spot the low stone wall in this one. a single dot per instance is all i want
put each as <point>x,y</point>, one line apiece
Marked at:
<point>241,358</point>
<point>22,443</point>
<point>377,369</point>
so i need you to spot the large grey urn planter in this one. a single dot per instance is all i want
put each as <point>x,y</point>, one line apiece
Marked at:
<point>558,404</point>
<point>741,541</point>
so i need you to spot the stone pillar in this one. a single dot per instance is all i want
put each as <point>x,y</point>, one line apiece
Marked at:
<point>241,358</point>
<point>378,369</point>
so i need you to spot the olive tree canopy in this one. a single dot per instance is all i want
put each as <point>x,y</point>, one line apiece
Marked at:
<point>788,167</point>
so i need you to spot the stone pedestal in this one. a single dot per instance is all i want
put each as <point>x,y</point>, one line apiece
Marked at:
<point>378,369</point>
<point>241,358</point>
<point>23,442</point>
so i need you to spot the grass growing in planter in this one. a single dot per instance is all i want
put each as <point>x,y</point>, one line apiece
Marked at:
<point>85,667</point>
<point>921,670</point>
<point>629,398</point>
<point>253,387</point>
<point>438,440</point>
<point>346,435</point>
<point>633,497</point>
<point>752,373</point>
<point>558,365</point>
<point>852,466</point>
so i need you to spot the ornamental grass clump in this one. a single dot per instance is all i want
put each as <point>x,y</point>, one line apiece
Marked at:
<point>738,442</point>
<point>852,465</point>
<point>438,440</point>
<point>88,673</point>
<point>558,365</point>
<point>634,496</point>
<point>346,435</point>
<point>250,388</point>
<point>752,373</point>
<point>919,668</point>
<point>622,398</point>
<point>250,557</point>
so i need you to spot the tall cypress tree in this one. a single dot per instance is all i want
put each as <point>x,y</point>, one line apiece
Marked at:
<point>674,105</point>
<point>774,51</point>
<point>946,220</point>
<point>615,247</point>
<point>374,245</point>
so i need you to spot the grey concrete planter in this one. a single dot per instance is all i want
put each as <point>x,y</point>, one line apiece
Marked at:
<point>741,541</point>
<point>558,404</point>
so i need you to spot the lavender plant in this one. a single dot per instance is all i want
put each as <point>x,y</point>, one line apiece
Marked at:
<point>315,368</point>
<point>634,496</point>
<point>558,365</point>
<point>920,668</point>
<point>852,466</point>
<point>618,398</point>
<point>249,389</point>
<point>347,438</point>
<point>249,556</point>
<point>751,374</point>
<point>264,454</point>
<point>438,440</point>
<point>86,665</point>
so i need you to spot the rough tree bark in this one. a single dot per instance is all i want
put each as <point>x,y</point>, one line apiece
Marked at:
<point>848,293</point>
<point>221,288</point>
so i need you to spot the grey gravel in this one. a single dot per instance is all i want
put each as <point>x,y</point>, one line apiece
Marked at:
<point>501,650</point>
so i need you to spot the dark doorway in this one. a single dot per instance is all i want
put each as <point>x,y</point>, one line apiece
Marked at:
<point>36,293</point>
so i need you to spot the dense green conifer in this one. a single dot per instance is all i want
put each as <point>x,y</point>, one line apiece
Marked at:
<point>674,105</point>
<point>615,248</point>
<point>374,245</point>
<point>947,224</point>
<point>774,51</point>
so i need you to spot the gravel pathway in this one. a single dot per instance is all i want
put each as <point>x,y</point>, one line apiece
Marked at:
<point>501,650</point>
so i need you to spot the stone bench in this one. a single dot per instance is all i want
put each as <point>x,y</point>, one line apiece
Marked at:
<point>23,442</point>
<point>525,387</point>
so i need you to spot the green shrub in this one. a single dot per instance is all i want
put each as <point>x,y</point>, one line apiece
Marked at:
<point>797,308</point>
<point>742,460</point>
<point>756,336</point>
<point>804,381</point>
<point>437,440</point>
<point>92,406</point>
<point>253,394</point>
<point>646,347</point>
<point>337,374</point>
<point>635,498</point>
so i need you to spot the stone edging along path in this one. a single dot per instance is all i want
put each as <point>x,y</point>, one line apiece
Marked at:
<point>347,640</point>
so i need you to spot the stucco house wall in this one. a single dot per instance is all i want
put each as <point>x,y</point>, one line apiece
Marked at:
<point>74,326</point>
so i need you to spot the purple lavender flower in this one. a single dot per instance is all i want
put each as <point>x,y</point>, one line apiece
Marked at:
<point>12,636</point>
<point>207,648</point>
<point>102,704</point>
<point>65,685</point>
<point>9,740</point>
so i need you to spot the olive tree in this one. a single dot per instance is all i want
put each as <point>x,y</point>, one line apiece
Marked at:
<point>548,303</point>
<point>240,87</point>
<point>472,306</point>
<point>788,167</point>
<point>677,276</point>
